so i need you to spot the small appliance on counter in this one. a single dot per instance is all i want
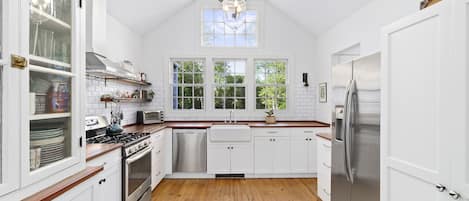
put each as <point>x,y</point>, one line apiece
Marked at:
<point>150,117</point>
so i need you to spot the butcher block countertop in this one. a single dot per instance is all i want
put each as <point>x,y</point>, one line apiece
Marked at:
<point>96,150</point>
<point>56,190</point>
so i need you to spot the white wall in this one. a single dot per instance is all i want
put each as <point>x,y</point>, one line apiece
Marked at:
<point>122,44</point>
<point>179,36</point>
<point>364,28</point>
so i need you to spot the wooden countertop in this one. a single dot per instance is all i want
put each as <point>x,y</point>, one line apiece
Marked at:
<point>287,124</point>
<point>65,185</point>
<point>96,150</point>
<point>326,136</point>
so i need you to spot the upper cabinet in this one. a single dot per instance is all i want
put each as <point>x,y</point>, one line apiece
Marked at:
<point>52,87</point>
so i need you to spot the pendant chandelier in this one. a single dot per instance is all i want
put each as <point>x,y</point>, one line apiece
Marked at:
<point>233,10</point>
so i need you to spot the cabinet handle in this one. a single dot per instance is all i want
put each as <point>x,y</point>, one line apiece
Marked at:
<point>440,187</point>
<point>272,132</point>
<point>454,195</point>
<point>327,166</point>
<point>18,62</point>
<point>308,131</point>
<point>326,146</point>
<point>102,181</point>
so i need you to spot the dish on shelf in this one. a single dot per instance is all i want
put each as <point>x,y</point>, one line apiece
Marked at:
<point>40,143</point>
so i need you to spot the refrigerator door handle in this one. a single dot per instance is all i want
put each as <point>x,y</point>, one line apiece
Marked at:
<point>351,123</point>
<point>345,129</point>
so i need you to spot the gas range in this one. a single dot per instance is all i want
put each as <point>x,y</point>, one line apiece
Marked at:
<point>133,142</point>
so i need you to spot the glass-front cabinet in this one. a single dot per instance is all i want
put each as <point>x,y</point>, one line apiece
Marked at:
<point>51,88</point>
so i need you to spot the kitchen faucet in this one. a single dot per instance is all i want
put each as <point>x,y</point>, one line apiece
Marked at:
<point>232,118</point>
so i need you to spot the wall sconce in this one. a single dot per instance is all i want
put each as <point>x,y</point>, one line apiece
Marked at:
<point>305,80</point>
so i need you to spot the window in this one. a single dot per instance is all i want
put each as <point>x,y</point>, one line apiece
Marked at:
<point>219,30</point>
<point>230,84</point>
<point>188,84</point>
<point>271,88</point>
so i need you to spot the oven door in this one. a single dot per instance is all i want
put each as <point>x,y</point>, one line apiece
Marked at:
<point>137,175</point>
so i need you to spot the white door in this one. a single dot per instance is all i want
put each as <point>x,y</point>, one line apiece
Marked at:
<point>218,158</point>
<point>299,154</point>
<point>241,159</point>
<point>263,155</point>
<point>312,155</point>
<point>414,135</point>
<point>459,129</point>
<point>281,154</point>
<point>156,157</point>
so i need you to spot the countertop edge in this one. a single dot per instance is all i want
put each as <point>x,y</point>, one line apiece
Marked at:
<point>65,185</point>
<point>326,136</point>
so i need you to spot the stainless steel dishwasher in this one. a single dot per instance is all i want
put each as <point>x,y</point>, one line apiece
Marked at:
<point>190,150</point>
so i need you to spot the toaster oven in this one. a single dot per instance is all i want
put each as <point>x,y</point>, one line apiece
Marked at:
<point>150,117</point>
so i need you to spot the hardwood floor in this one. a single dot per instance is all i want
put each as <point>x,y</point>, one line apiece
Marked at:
<point>236,190</point>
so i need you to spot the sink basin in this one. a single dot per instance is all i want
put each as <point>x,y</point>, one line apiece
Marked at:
<point>230,133</point>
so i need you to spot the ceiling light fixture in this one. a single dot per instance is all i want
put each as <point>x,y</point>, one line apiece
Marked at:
<point>233,12</point>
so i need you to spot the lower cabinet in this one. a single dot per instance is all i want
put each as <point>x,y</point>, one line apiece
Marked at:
<point>324,169</point>
<point>303,151</point>
<point>158,158</point>
<point>108,186</point>
<point>271,155</point>
<point>229,158</point>
<point>86,191</point>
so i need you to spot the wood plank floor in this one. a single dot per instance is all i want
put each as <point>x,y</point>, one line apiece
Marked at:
<point>236,190</point>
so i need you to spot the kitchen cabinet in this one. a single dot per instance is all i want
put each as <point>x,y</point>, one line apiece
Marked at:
<point>84,192</point>
<point>52,88</point>
<point>424,156</point>
<point>158,157</point>
<point>271,155</point>
<point>225,158</point>
<point>303,151</point>
<point>108,183</point>
<point>324,155</point>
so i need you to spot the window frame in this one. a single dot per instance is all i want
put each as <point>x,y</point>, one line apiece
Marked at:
<point>286,85</point>
<point>172,84</point>
<point>235,85</point>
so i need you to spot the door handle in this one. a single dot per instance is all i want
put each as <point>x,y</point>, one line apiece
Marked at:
<point>18,62</point>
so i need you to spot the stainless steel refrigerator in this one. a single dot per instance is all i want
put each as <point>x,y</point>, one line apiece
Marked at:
<point>356,130</point>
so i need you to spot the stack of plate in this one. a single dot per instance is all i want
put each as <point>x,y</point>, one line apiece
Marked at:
<point>51,142</point>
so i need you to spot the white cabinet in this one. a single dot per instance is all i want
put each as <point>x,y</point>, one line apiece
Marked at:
<point>225,158</point>
<point>52,88</point>
<point>425,71</point>
<point>324,168</point>
<point>303,151</point>
<point>84,192</point>
<point>218,159</point>
<point>158,157</point>
<point>108,183</point>
<point>271,155</point>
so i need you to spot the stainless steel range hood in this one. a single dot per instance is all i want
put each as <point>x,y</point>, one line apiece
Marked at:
<point>99,66</point>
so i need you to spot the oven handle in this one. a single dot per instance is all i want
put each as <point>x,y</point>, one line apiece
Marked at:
<point>139,156</point>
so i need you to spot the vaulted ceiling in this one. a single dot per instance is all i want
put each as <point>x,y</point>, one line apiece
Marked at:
<point>315,15</point>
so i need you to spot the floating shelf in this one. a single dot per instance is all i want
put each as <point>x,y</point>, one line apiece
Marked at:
<point>49,22</point>
<point>126,100</point>
<point>49,116</point>
<point>102,75</point>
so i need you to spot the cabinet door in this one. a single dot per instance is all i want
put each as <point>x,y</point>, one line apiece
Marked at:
<point>281,150</point>
<point>109,186</point>
<point>241,159</point>
<point>312,155</point>
<point>52,88</point>
<point>263,155</point>
<point>156,158</point>
<point>416,78</point>
<point>84,192</point>
<point>218,159</point>
<point>9,104</point>
<point>299,154</point>
<point>460,103</point>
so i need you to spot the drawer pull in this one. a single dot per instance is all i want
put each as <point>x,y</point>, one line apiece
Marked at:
<point>308,131</point>
<point>272,132</point>
<point>326,146</point>
<point>325,165</point>
<point>324,190</point>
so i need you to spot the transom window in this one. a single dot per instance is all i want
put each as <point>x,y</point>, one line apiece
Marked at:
<point>271,84</point>
<point>188,84</point>
<point>220,30</point>
<point>230,84</point>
